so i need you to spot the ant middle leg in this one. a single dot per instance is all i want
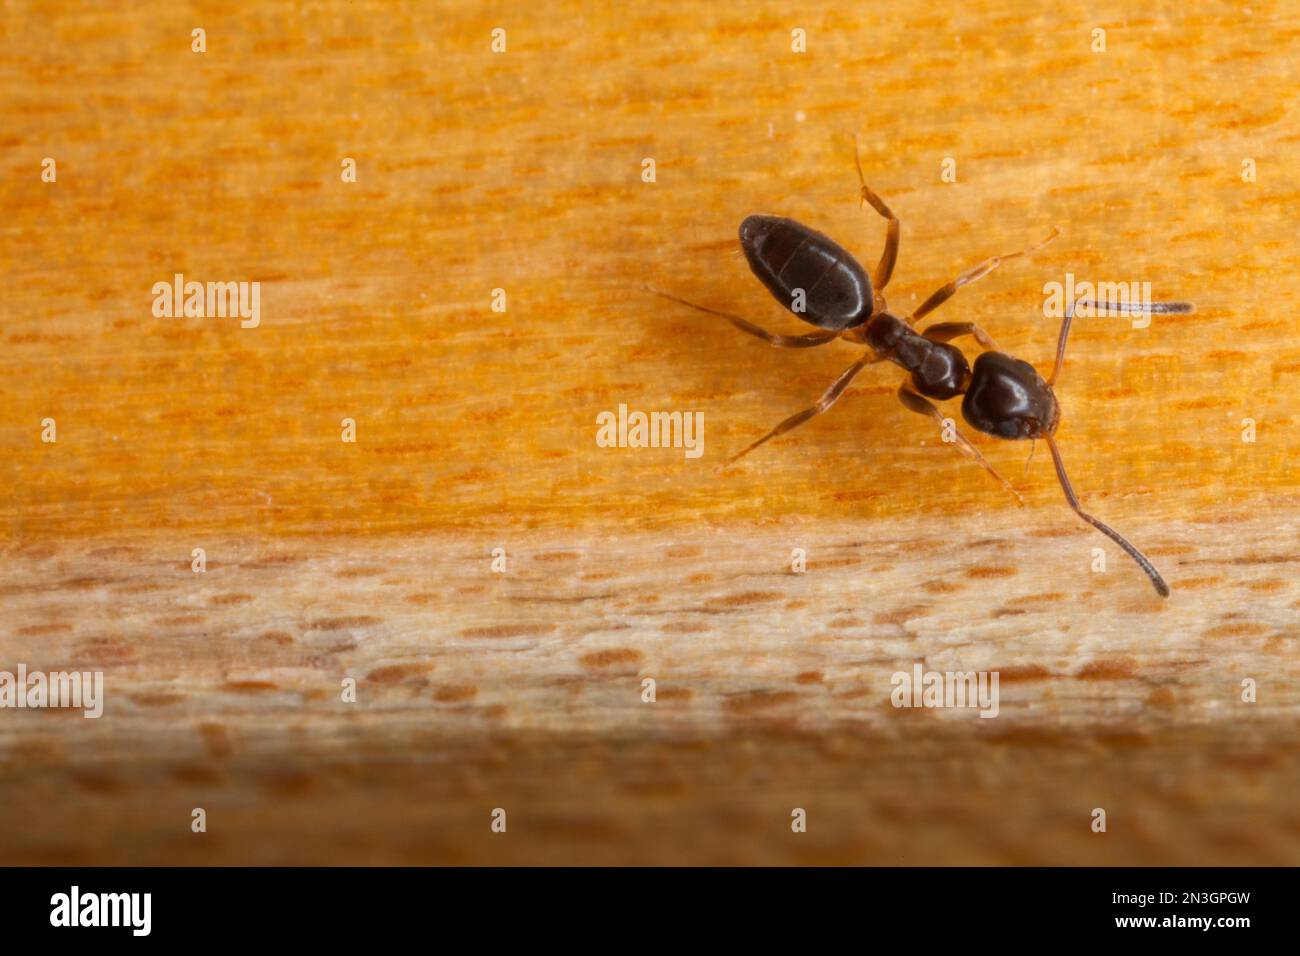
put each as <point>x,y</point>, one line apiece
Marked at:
<point>885,268</point>
<point>947,331</point>
<point>945,293</point>
<point>773,339</point>
<point>829,397</point>
<point>915,402</point>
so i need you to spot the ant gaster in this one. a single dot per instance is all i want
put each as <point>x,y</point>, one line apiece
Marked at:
<point>820,282</point>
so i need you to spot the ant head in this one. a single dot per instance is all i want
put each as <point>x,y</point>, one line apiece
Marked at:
<point>1009,399</point>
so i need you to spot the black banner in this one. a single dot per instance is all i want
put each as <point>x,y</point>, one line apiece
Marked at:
<point>972,905</point>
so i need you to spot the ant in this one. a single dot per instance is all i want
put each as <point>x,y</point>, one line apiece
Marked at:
<point>821,283</point>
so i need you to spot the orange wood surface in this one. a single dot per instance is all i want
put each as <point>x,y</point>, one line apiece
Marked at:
<point>476,430</point>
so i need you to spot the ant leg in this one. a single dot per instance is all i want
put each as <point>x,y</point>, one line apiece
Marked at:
<point>947,331</point>
<point>771,338</point>
<point>923,406</point>
<point>885,268</point>
<point>828,399</point>
<point>970,275</point>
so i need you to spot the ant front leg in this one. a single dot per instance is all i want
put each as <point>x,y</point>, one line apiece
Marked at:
<point>915,402</point>
<point>885,268</point>
<point>947,331</point>
<point>945,293</point>
<point>829,398</point>
<point>773,339</point>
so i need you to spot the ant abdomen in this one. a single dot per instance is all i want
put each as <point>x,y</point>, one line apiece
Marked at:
<point>810,274</point>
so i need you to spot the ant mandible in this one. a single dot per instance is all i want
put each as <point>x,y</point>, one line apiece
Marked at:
<point>821,283</point>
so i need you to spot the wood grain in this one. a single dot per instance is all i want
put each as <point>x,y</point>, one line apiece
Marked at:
<point>476,430</point>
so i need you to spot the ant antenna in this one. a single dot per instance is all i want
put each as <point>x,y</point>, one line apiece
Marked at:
<point>1159,308</point>
<point>1161,588</point>
<point>1128,308</point>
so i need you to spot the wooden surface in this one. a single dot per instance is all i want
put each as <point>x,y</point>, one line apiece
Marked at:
<point>476,430</point>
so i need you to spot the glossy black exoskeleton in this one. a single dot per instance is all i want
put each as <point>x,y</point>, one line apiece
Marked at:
<point>821,283</point>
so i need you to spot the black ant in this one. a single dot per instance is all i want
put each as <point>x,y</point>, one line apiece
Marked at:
<point>821,283</point>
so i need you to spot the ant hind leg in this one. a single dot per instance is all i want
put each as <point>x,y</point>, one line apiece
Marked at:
<point>771,338</point>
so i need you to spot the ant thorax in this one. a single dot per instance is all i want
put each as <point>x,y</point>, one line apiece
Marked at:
<point>884,331</point>
<point>939,371</point>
